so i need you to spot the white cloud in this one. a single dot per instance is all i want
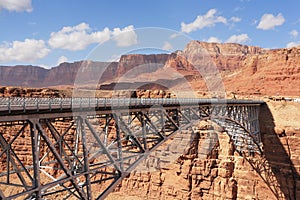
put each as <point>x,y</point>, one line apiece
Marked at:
<point>25,51</point>
<point>202,21</point>
<point>293,44</point>
<point>174,35</point>
<point>167,46</point>
<point>235,19</point>
<point>294,33</point>
<point>114,58</point>
<point>125,37</point>
<point>80,36</point>
<point>62,59</point>
<point>214,40</point>
<point>77,37</point>
<point>269,21</point>
<point>242,38</point>
<point>16,5</point>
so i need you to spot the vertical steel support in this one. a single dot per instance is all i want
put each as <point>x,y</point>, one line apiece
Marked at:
<point>162,121</point>
<point>34,134</point>
<point>118,138</point>
<point>76,146</point>
<point>176,114</point>
<point>107,121</point>
<point>8,159</point>
<point>86,160</point>
<point>144,130</point>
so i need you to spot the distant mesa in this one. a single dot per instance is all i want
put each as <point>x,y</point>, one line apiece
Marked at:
<point>244,70</point>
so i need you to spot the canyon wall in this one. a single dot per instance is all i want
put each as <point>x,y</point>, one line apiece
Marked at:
<point>140,63</point>
<point>243,69</point>
<point>64,74</point>
<point>275,72</point>
<point>209,167</point>
<point>22,75</point>
<point>84,72</point>
<point>222,173</point>
<point>226,57</point>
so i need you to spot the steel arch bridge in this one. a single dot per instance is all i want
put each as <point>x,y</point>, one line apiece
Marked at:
<point>83,147</point>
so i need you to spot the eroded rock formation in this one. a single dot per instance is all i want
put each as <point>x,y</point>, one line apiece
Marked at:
<point>244,70</point>
<point>209,168</point>
<point>30,92</point>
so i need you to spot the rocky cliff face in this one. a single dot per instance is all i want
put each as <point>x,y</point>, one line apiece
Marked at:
<point>141,63</point>
<point>227,56</point>
<point>83,72</point>
<point>180,63</point>
<point>274,72</point>
<point>244,69</point>
<point>33,76</point>
<point>209,167</point>
<point>22,75</point>
<point>63,74</point>
<point>90,72</point>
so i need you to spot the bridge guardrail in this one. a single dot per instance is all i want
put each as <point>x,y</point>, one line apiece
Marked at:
<point>37,104</point>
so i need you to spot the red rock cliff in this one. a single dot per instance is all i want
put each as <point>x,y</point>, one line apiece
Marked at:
<point>274,72</point>
<point>22,75</point>
<point>227,56</point>
<point>141,63</point>
<point>244,69</point>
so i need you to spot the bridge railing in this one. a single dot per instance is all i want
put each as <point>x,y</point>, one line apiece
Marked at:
<point>37,104</point>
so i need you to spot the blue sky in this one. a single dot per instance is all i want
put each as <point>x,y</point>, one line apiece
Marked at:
<point>45,33</point>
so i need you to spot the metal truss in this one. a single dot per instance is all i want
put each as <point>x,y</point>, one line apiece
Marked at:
<point>85,154</point>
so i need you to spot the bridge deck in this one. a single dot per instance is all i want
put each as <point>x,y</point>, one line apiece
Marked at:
<point>41,105</point>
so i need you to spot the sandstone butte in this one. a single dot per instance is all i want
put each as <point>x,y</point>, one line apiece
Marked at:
<point>219,173</point>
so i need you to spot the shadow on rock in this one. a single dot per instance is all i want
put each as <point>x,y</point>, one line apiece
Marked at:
<point>276,168</point>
